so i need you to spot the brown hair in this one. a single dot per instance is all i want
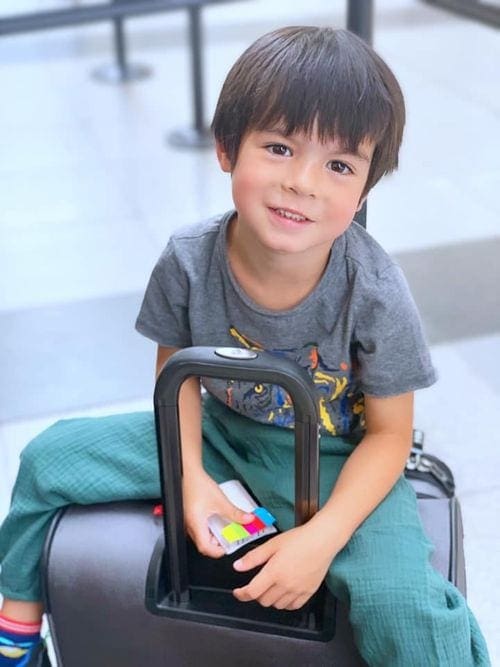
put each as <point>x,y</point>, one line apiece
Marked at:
<point>305,78</point>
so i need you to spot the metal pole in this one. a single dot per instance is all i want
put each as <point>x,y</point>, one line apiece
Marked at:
<point>120,71</point>
<point>195,38</point>
<point>487,12</point>
<point>360,22</point>
<point>120,49</point>
<point>360,19</point>
<point>90,13</point>
<point>198,135</point>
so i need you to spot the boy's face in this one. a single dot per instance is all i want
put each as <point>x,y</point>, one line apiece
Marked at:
<point>295,193</point>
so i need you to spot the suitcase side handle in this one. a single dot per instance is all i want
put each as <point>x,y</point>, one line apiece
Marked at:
<point>235,364</point>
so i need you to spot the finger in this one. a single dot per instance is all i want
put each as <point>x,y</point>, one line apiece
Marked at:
<point>297,603</point>
<point>210,550</point>
<point>271,596</point>
<point>244,594</point>
<point>237,515</point>
<point>207,544</point>
<point>285,601</point>
<point>254,558</point>
<point>261,583</point>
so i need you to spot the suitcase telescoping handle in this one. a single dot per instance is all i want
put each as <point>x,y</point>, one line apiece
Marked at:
<point>232,364</point>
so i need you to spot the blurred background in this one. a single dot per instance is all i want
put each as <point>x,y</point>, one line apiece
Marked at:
<point>91,187</point>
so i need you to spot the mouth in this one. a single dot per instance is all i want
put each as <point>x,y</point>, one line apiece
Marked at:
<point>290,214</point>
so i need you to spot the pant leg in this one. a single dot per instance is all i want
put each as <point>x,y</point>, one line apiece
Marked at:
<point>81,461</point>
<point>403,612</point>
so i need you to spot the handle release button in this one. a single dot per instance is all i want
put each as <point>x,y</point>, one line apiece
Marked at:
<point>235,353</point>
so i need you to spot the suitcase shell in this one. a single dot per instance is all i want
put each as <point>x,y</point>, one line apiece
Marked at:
<point>99,568</point>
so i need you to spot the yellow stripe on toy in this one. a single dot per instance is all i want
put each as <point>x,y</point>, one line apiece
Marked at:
<point>234,532</point>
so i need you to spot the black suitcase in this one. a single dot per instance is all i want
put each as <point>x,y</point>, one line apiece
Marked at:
<point>115,597</point>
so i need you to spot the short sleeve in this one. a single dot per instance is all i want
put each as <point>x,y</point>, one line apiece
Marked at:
<point>389,343</point>
<point>163,316</point>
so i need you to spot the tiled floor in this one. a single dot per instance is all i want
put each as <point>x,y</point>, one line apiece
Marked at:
<point>90,191</point>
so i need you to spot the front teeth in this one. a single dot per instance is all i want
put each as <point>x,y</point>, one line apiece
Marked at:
<point>291,216</point>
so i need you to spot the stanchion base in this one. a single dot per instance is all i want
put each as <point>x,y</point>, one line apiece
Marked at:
<point>113,73</point>
<point>191,137</point>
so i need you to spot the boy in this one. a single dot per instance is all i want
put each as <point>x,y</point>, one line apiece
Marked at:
<point>307,122</point>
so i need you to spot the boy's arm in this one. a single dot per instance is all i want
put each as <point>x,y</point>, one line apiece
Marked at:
<point>190,415</point>
<point>201,494</point>
<point>372,469</point>
<point>297,560</point>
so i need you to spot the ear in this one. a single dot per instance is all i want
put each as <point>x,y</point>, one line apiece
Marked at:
<point>222,156</point>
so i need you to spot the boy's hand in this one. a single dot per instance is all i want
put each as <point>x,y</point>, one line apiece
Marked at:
<point>295,567</point>
<point>203,497</point>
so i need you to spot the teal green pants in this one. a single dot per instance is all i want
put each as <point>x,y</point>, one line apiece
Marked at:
<point>403,612</point>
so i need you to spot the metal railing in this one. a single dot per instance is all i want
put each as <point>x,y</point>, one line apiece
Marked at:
<point>481,10</point>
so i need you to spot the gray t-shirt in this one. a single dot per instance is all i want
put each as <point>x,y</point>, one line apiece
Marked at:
<point>357,333</point>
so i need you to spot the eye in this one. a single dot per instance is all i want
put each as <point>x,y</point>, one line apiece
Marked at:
<point>339,167</point>
<point>258,389</point>
<point>279,149</point>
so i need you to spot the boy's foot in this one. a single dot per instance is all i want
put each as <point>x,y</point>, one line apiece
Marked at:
<point>20,644</point>
<point>36,656</point>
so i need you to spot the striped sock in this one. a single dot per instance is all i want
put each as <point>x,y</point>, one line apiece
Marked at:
<point>17,641</point>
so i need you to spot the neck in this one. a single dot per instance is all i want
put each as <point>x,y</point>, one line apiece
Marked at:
<point>277,281</point>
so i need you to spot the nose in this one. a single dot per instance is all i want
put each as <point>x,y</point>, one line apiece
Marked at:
<point>300,178</point>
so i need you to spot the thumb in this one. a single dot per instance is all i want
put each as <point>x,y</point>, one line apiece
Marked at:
<point>234,513</point>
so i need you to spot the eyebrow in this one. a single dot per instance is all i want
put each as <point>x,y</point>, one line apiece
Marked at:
<point>358,154</point>
<point>342,150</point>
<point>275,130</point>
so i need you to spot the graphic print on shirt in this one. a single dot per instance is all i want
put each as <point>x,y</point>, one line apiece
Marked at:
<point>338,406</point>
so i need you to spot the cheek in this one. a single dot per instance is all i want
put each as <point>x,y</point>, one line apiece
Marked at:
<point>244,185</point>
<point>346,208</point>
<point>349,202</point>
<point>353,209</point>
<point>342,212</point>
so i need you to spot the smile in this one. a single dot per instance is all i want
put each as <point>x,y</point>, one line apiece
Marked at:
<point>290,215</point>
